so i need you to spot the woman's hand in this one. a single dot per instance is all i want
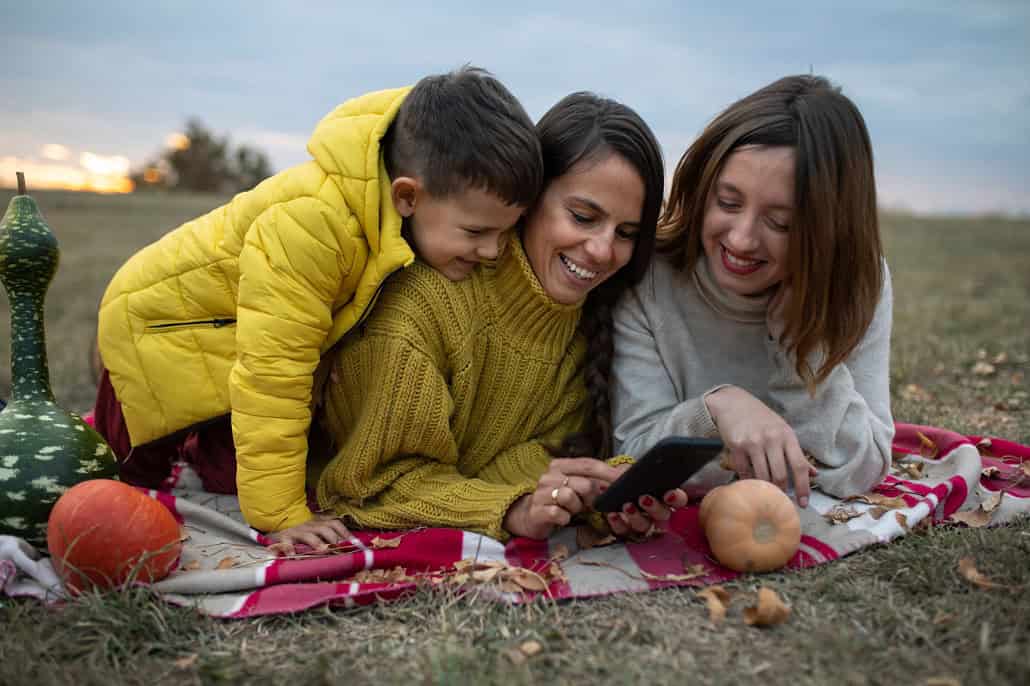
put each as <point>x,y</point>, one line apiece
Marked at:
<point>318,533</point>
<point>567,488</point>
<point>642,517</point>
<point>760,443</point>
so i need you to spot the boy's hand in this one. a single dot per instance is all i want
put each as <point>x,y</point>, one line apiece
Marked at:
<point>319,533</point>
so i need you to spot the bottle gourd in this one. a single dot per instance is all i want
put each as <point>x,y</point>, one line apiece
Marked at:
<point>43,449</point>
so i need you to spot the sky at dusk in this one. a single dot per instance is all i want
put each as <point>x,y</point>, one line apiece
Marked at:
<point>98,87</point>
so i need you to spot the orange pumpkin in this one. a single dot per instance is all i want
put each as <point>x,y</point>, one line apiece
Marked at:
<point>706,505</point>
<point>102,533</point>
<point>751,526</point>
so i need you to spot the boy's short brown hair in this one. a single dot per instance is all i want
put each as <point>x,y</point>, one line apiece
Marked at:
<point>464,129</point>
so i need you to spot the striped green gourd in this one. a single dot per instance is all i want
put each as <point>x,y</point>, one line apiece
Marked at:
<point>44,450</point>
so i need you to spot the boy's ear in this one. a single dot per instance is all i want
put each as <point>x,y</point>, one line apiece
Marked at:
<point>404,190</point>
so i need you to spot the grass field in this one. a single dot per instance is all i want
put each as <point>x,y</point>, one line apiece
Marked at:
<point>896,614</point>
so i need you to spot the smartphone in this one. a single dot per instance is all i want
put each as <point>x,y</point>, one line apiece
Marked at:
<point>664,467</point>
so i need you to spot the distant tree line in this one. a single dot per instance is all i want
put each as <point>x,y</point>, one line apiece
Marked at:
<point>197,160</point>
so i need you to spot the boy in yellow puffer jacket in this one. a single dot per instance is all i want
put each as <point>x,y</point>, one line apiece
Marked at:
<point>211,336</point>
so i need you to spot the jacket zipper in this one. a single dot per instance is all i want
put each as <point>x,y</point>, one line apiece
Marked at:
<point>216,323</point>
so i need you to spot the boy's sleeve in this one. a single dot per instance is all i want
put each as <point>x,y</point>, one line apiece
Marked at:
<point>293,266</point>
<point>396,466</point>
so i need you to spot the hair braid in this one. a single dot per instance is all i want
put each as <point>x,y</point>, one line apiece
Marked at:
<point>596,438</point>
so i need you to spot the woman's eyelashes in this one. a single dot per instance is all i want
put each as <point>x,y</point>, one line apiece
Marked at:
<point>581,218</point>
<point>773,223</point>
<point>628,233</point>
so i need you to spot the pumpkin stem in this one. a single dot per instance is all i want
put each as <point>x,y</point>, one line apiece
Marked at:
<point>764,531</point>
<point>21,182</point>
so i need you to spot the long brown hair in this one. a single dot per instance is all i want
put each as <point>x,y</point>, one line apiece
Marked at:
<point>580,127</point>
<point>835,256</point>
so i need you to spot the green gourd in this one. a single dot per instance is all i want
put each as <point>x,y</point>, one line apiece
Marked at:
<point>44,450</point>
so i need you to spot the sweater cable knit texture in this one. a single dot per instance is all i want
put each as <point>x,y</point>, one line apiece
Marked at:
<point>463,384</point>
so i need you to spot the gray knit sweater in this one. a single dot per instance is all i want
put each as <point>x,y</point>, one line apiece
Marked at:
<point>678,336</point>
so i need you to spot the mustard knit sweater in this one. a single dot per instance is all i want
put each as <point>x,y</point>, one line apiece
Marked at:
<point>441,404</point>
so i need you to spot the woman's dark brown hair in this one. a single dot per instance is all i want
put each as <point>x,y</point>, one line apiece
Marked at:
<point>835,257</point>
<point>582,127</point>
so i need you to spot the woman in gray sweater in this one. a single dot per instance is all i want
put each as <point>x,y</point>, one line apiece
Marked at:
<point>766,318</point>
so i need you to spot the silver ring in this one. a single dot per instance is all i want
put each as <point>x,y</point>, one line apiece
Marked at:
<point>554,494</point>
<point>565,483</point>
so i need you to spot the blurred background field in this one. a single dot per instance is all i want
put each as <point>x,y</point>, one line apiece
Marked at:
<point>892,614</point>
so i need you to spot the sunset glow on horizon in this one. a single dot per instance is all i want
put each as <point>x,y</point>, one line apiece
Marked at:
<point>57,169</point>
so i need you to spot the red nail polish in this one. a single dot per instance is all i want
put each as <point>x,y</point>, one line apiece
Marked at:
<point>647,501</point>
<point>630,508</point>
<point>602,488</point>
<point>669,498</point>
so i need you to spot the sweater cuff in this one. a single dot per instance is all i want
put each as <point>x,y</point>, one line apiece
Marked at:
<point>692,418</point>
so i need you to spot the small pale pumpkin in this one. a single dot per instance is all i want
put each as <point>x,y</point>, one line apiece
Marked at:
<point>102,533</point>
<point>706,505</point>
<point>751,525</point>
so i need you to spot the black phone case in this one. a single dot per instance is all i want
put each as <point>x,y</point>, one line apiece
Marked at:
<point>664,467</point>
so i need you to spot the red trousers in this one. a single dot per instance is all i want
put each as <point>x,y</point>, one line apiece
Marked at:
<point>208,448</point>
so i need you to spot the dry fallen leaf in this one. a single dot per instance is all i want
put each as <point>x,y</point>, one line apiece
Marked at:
<point>485,575</point>
<point>531,648</point>
<point>841,514</point>
<point>526,579</point>
<point>943,617</point>
<point>226,563</point>
<point>901,520</point>
<point>186,661</point>
<point>984,446</point>
<point>974,519</point>
<point>1025,468</point>
<point>877,512</point>
<point>913,469</point>
<point>915,392</point>
<point>717,599</point>
<point>769,611</point>
<point>991,502</point>
<point>983,368</point>
<point>378,543</point>
<point>967,567</point>
<point>694,573</point>
<point>927,448</point>
<point>587,538</point>
<point>990,472</point>
<point>396,575</point>
<point>191,566</point>
<point>890,502</point>
<point>559,552</point>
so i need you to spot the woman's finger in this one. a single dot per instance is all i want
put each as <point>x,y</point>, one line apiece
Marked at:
<point>741,464</point>
<point>567,498</point>
<point>586,466</point>
<point>759,464</point>
<point>655,510</point>
<point>777,466</point>
<point>635,519</point>
<point>801,471</point>
<point>618,524</point>
<point>677,497</point>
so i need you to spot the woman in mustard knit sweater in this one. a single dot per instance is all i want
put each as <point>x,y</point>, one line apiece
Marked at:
<point>448,405</point>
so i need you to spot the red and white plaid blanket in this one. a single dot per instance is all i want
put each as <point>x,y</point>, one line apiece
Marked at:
<point>226,571</point>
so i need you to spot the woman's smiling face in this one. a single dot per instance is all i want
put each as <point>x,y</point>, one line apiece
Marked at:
<point>583,228</point>
<point>746,229</point>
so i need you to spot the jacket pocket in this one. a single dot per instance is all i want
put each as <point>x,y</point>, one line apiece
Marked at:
<point>175,326</point>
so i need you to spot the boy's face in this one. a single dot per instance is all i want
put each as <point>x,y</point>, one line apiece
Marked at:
<point>455,233</point>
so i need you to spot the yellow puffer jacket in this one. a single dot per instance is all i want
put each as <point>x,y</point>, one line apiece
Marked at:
<point>232,311</point>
